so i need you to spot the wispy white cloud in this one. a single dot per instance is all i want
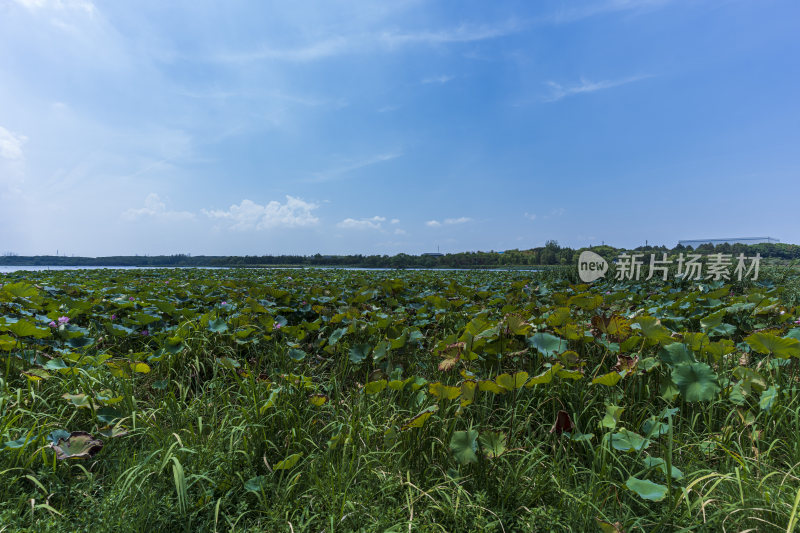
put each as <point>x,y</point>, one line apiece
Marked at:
<point>530,216</point>
<point>356,42</point>
<point>395,221</point>
<point>301,54</point>
<point>154,207</point>
<point>250,215</point>
<point>11,144</point>
<point>340,171</point>
<point>559,91</point>
<point>33,5</point>
<point>447,222</point>
<point>465,33</point>
<point>440,80</point>
<point>577,12</point>
<point>362,223</point>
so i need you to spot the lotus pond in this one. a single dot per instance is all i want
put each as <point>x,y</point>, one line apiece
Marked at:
<point>327,400</point>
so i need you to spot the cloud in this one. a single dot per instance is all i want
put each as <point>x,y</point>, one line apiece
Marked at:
<point>154,207</point>
<point>367,42</point>
<point>448,222</point>
<point>310,52</point>
<point>441,80</point>
<point>363,223</point>
<point>530,216</point>
<point>465,33</point>
<point>399,231</point>
<point>82,5</point>
<point>11,144</point>
<point>558,91</point>
<point>599,8</point>
<point>250,215</point>
<point>337,172</point>
<point>395,221</point>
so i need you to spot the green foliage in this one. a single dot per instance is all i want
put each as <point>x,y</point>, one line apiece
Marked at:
<point>319,399</point>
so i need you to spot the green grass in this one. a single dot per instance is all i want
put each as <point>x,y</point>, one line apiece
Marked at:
<point>204,437</point>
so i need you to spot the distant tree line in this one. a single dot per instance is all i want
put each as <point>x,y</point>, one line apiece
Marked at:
<point>549,254</point>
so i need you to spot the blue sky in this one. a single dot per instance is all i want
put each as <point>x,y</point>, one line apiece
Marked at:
<point>336,126</point>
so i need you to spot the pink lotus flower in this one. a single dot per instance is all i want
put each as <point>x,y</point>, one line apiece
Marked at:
<point>276,326</point>
<point>145,332</point>
<point>52,324</point>
<point>63,320</point>
<point>224,303</point>
<point>131,298</point>
<point>113,317</point>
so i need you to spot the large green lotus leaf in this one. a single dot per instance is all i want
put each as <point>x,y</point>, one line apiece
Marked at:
<point>713,320</point>
<point>493,443</point>
<point>79,445</point>
<point>359,352</point>
<point>217,325</point>
<point>768,398</point>
<point>793,333</point>
<point>19,290</point>
<point>254,484</point>
<point>289,462</point>
<point>80,342</point>
<point>463,445</point>
<point>7,343</point>
<point>646,489</point>
<point>26,328</point>
<point>174,345</point>
<point>653,330</point>
<point>15,444</point>
<point>144,319</point>
<point>374,387</point>
<point>628,441</point>
<point>657,462</point>
<point>609,380</point>
<point>675,354</point>
<point>612,416</point>
<point>379,353</point>
<point>108,415</point>
<point>547,344</point>
<point>558,317</point>
<point>652,427</point>
<point>56,435</point>
<point>336,335</point>
<point>296,354</point>
<point>769,343</point>
<point>696,382</point>
<point>723,330</point>
<point>586,301</point>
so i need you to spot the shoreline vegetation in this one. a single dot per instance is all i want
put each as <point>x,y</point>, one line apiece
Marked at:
<point>541,257</point>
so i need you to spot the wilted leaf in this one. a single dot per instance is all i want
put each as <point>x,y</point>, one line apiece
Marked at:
<point>79,445</point>
<point>562,424</point>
